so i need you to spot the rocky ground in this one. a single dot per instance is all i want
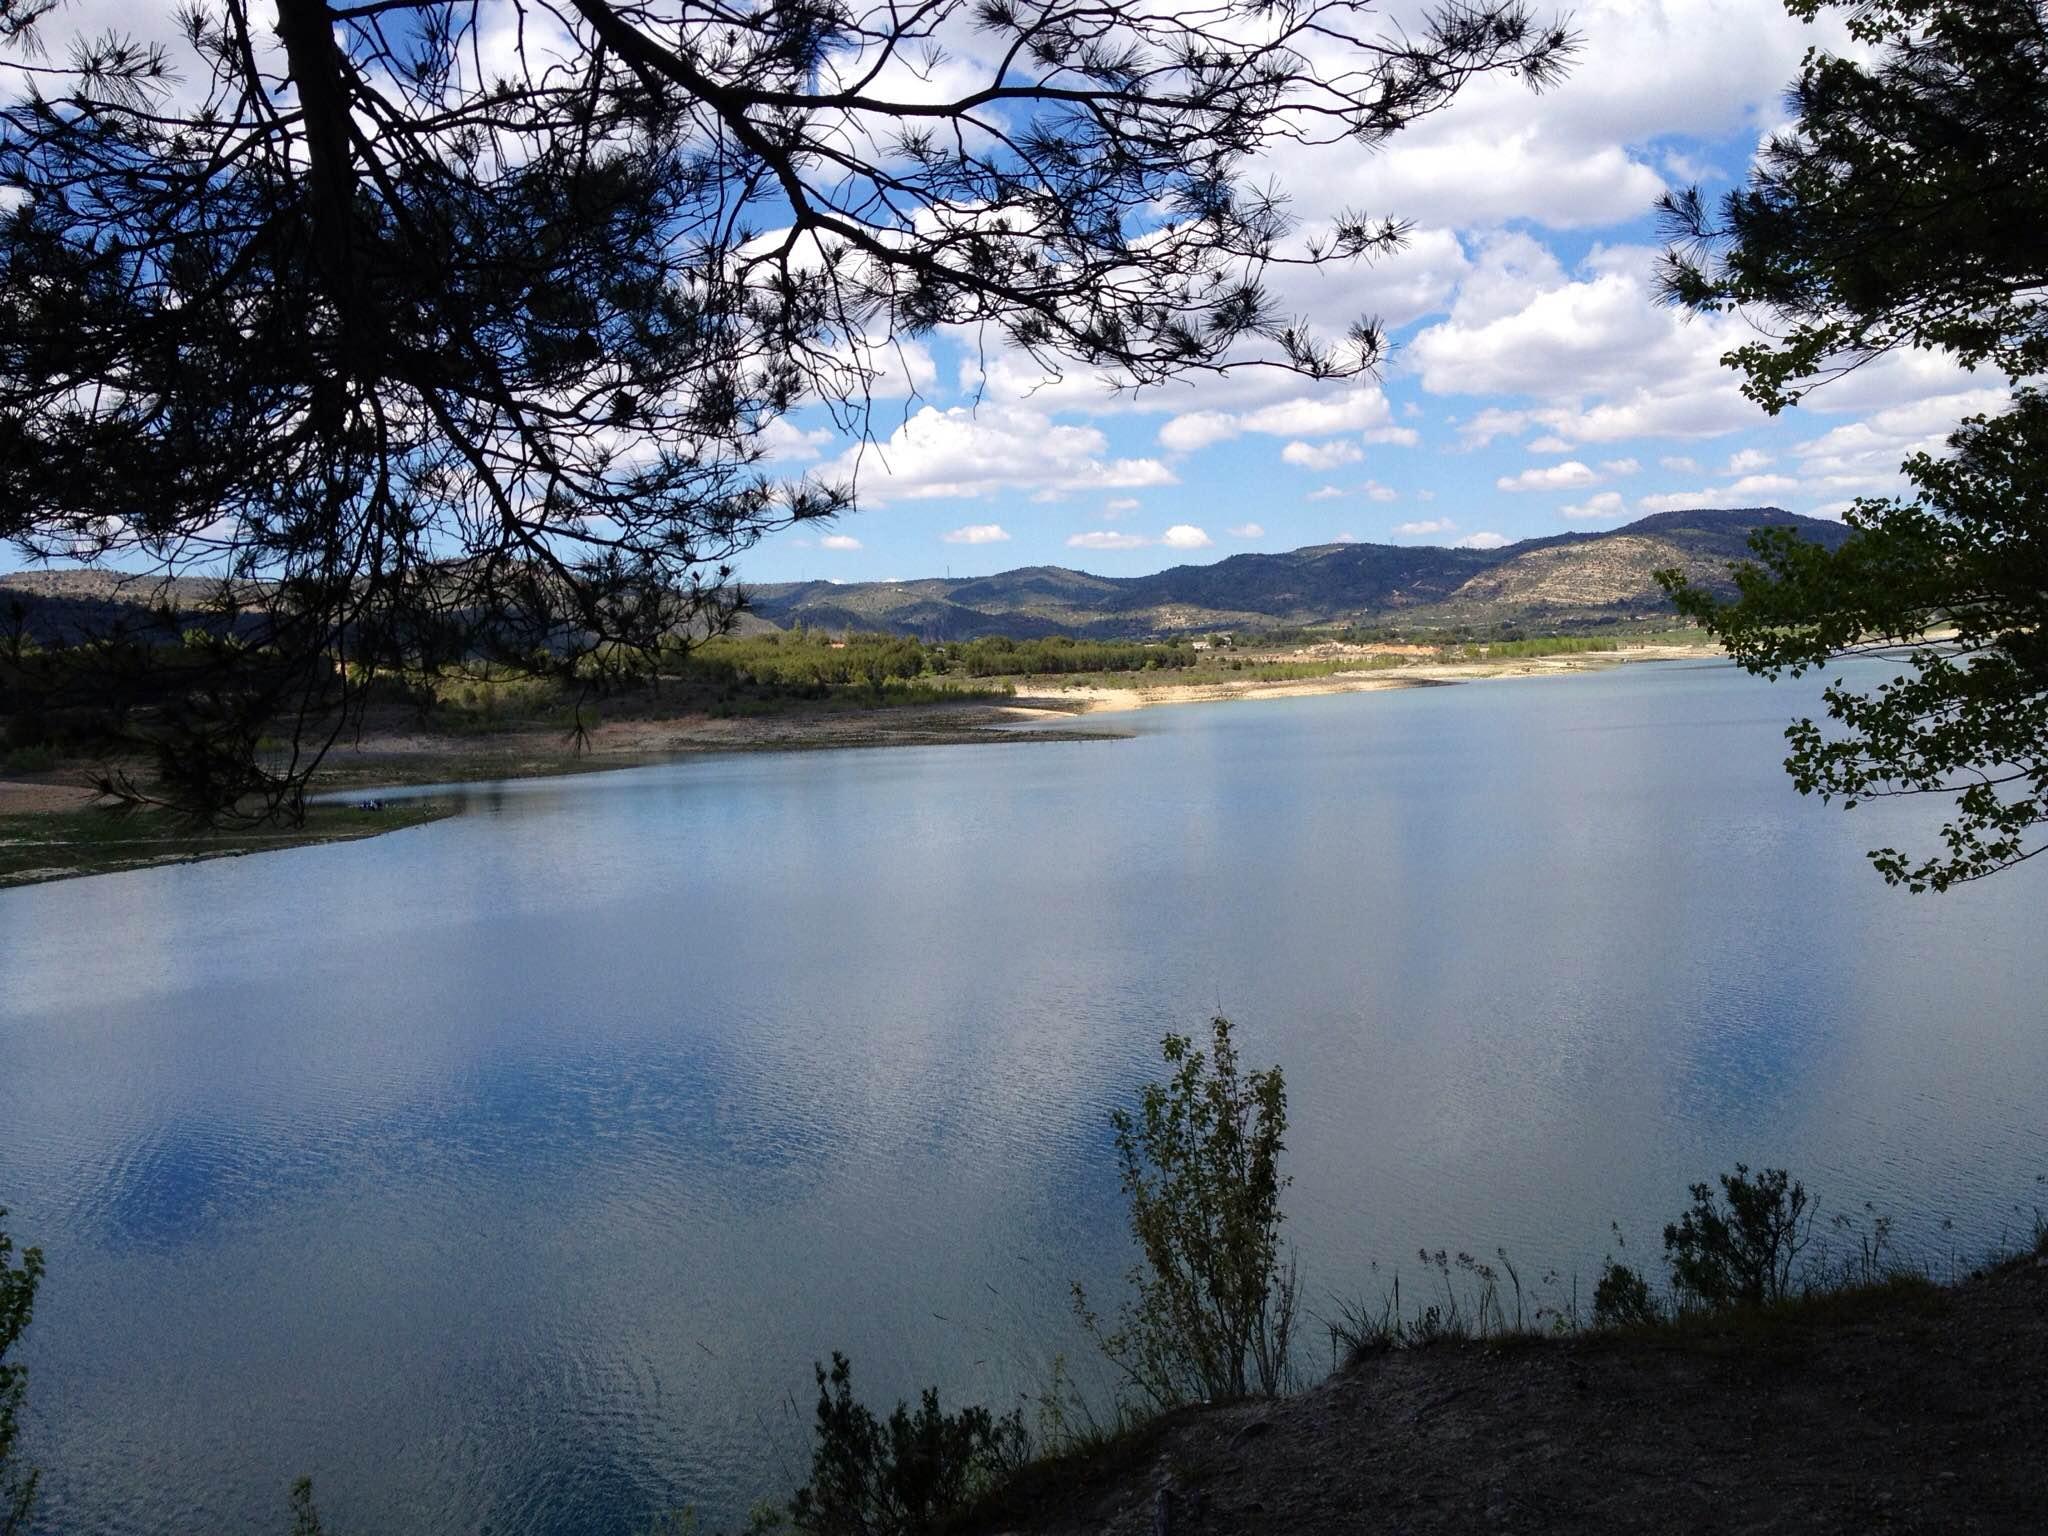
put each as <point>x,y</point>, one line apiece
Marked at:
<point>1912,1409</point>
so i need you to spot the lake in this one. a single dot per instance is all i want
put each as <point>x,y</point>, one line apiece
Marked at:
<point>508,1174</point>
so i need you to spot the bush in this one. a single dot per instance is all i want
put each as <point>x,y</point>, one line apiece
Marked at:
<point>1213,1315</point>
<point>1739,1250</point>
<point>1622,1299</point>
<point>903,1478</point>
<point>17,1301</point>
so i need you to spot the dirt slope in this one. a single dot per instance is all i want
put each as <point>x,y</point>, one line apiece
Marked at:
<point>1917,1411</point>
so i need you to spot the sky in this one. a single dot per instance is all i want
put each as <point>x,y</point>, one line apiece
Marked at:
<point>1535,383</point>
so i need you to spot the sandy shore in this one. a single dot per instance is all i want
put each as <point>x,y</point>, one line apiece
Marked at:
<point>392,754</point>
<point>35,808</point>
<point>1100,700</point>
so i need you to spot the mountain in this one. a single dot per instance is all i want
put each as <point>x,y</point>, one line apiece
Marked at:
<point>1565,581</point>
<point>1569,579</point>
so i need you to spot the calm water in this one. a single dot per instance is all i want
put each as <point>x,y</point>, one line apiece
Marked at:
<point>508,1174</point>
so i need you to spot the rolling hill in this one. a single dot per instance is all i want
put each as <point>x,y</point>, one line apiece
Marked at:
<point>1568,580</point>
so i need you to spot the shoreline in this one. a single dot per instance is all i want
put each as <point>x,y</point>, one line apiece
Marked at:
<point>37,812</point>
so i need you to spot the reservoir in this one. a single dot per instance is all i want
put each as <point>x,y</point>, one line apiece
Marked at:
<point>508,1174</point>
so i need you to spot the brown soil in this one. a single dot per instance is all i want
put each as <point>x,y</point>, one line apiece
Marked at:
<point>38,797</point>
<point>1911,1410</point>
<point>396,755</point>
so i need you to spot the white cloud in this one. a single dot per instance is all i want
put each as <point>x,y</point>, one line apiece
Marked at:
<point>1571,475</point>
<point>1185,536</point>
<point>1321,416</point>
<point>840,541</point>
<point>1423,529</point>
<point>1197,429</point>
<point>1374,491</point>
<point>1353,408</point>
<point>1747,461</point>
<point>977,533</point>
<point>1325,493</point>
<point>1597,356</point>
<point>1248,531</point>
<point>1763,485</point>
<point>1102,538</point>
<point>1116,506</point>
<point>1600,508</point>
<point>1681,464</point>
<point>784,442</point>
<point>1681,501</point>
<point>1480,541</point>
<point>1619,467</point>
<point>962,454</point>
<point>1345,538</point>
<point>1321,455</point>
<point>1650,70</point>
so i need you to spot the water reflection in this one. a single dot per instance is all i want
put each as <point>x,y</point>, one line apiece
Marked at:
<point>509,1172</point>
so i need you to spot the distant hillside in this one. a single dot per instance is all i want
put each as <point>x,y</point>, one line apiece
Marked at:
<point>1568,580</point>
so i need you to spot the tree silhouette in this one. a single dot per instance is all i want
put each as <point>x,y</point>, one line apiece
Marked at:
<point>1903,210</point>
<point>447,332</point>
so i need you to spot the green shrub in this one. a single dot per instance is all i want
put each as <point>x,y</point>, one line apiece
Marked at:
<point>1213,1313</point>
<point>1623,1299</point>
<point>17,1302</point>
<point>305,1518</point>
<point>1740,1249</point>
<point>28,760</point>
<point>903,1478</point>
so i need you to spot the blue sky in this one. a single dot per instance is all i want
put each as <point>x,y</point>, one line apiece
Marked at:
<point>1536,384</point>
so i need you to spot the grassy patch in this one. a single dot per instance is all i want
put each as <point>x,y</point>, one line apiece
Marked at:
<point>1782,1329</point>
<point>92,842</point>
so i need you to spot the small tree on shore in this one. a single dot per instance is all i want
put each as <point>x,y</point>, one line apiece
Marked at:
<point>17,1301</point>
<point>1739,1250</point>
<point>1213,1313</point>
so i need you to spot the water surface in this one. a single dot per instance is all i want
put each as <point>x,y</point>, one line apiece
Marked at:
<point>509,1173</point>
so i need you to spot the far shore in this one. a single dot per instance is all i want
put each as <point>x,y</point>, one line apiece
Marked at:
<point>50,828</point>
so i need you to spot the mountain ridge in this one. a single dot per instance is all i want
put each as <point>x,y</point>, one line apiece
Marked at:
<point>1561,581</point>
<point>1567,579</point>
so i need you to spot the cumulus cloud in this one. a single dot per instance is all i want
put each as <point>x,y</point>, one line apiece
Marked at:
<point>1374,491</point>
<point>1747,461</point>
<point>1248,531</point>
<point>1353,408</point>
<point>1179,536</point>
<point>1651,70</point>
<point>1680,463</point>
<point>1595,509</point>
<point>1619,467</point>
<point>843,542</point>
<point>1118,505</point>
<point>1321,455</point>
<point>1423,529</point>
<point>1571,475</point>
<point>978,533</point>
<point>1480,541</point>
<point>784,442</point>
<point>1682,501</point>
<point>1325,493</point>
<point>1197,429</point>
<point>962,454</point>
<point>1763,485</point>
<point>1597,356</point>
